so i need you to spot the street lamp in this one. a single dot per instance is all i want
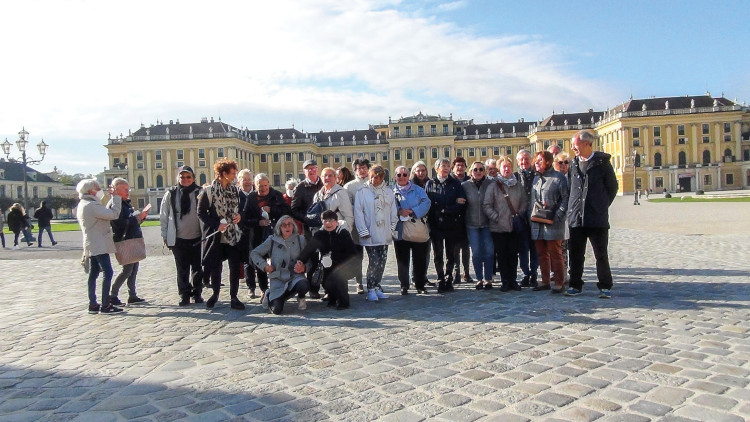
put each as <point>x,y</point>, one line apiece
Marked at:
<point>636,163</point>
<point>21,143</point>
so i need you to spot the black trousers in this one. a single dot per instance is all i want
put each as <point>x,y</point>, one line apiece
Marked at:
<point>234,256</point>
<point>187,258</point>
<point>444,243</point>
<point>300,289</point>
<point>507,246</point>
<point>599,238</point>
<point>336,284</point>
<point>418,258</point>
<point>252,273</point>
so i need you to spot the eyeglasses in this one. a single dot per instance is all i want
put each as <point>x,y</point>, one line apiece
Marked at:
<point>287,224</point>
<point>478,170</point>
<point>402,175</point>
<point>186,177</point>
<point>566,162</point>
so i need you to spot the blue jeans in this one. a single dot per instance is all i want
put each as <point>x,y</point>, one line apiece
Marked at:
<point>49,232</point>
<point>100,263</point>
<point>482,251</point>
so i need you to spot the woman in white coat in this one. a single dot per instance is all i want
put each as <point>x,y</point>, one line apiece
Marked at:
<point>375,217</point>
<point>94,219</point>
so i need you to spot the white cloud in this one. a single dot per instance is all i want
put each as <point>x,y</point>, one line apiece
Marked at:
<point>84,68</point>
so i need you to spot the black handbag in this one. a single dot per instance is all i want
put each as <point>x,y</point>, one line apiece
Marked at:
<point>539,214</point>
<point>519,223</point>
<point>317,276</point>
<point>313,214</point>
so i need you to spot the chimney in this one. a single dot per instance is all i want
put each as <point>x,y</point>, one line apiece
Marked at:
<point>204,119</point>
<point>212,119</point>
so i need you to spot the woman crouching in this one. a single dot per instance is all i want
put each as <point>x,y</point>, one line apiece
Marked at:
<point>336,246</point>
<point>279,256</point>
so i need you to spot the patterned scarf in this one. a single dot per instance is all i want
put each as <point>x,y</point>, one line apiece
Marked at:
<point>227,203</point>
<point>380,211</point>
<point>511,181</point>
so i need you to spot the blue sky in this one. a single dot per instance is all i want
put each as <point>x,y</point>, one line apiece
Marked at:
<point>83,69</point>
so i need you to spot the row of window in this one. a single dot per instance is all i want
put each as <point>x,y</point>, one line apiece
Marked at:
<point>19,191</point>
<point>180,154</point>
<point>681,140</point>
<point>707,180</point>
<point>682,157</point>
<point>705,130</point>
<point>420,130</point>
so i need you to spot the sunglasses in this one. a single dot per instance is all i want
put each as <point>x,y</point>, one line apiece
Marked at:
<point>566,162</point>
<point>477,170</point>
<point>402,175</point>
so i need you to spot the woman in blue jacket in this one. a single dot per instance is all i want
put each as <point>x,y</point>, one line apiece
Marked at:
<point>413,206</point>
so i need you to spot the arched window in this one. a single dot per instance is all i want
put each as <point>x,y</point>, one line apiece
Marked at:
<point>141,182</point>
<point>727,152</point>
<point>657,159</point>
<point>682,158</point>
<point>159,181</point>
<point>706,157</point>
<point>202,179</point>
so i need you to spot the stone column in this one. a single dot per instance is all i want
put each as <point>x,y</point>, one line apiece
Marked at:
<point>668,141</point>
<point>693,141</point>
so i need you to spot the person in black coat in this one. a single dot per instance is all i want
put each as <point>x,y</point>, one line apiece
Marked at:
<point>218,210</point>
<point>18,221</point>
<point>303,199</point>
<point>126,226</point>
<point>593,187</point>
<point>43,217</point>
<point>527,255</point>
<point>304,193</point>
<point>246,186</point>
<point>262,209</point>
<point>448,200</point>
<point>337,242</point>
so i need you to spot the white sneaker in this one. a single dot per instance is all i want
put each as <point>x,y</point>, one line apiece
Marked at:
<point>301,304</point>
<point>15,248</point>
<point>372,296</point>
<point>380,294</point>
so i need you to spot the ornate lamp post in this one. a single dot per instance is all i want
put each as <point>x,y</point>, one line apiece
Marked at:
<point>21,143</point>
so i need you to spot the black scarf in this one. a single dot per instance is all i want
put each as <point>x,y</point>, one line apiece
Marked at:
<point>185,192</point>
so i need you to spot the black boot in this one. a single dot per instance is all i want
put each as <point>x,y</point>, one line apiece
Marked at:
<point>525,281</point>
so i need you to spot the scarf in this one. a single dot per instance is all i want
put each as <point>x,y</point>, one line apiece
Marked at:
<point>380,211</point>
<point>511,181</point>
<point>478,182</point>
<point>404,189</point>
<point>185,192</point>
<point>227,202</point>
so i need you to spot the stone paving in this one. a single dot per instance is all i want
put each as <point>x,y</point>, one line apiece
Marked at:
<point>671,345</point>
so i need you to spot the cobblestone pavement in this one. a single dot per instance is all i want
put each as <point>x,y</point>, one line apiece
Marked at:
<point>672,344</point>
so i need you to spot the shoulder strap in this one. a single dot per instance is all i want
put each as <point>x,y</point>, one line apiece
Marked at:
<point>505,194</point>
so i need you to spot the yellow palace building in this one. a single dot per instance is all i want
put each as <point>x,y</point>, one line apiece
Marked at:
<point>684,143</point>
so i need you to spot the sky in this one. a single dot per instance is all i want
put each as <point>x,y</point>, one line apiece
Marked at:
<point>75,71</point>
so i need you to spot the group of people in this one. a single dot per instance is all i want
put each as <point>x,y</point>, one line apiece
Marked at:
<point>19,222</point>
<point>317,232</point>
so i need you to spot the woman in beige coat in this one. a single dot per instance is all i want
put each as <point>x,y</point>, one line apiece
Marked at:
<point>94,219</point>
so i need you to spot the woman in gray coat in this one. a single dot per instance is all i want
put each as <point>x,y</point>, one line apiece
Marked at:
<point>95,219</point>
<point>505,239</point>
<point>278,256</point>
<point>549,191</point>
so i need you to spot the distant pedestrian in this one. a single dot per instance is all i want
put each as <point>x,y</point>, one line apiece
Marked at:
<point>43,217</point>
<point>2,224</point>
<point>18,223</point>
<point>593,188</point>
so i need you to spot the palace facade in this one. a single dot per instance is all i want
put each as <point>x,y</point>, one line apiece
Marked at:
<point>685,144</point>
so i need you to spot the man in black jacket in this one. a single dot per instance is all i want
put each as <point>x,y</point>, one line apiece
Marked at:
<point>303,199</point>
<point>593,187</point>
<point>43,216</point>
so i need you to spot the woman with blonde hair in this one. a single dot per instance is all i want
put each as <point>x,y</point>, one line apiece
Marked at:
<point>375,216</point>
